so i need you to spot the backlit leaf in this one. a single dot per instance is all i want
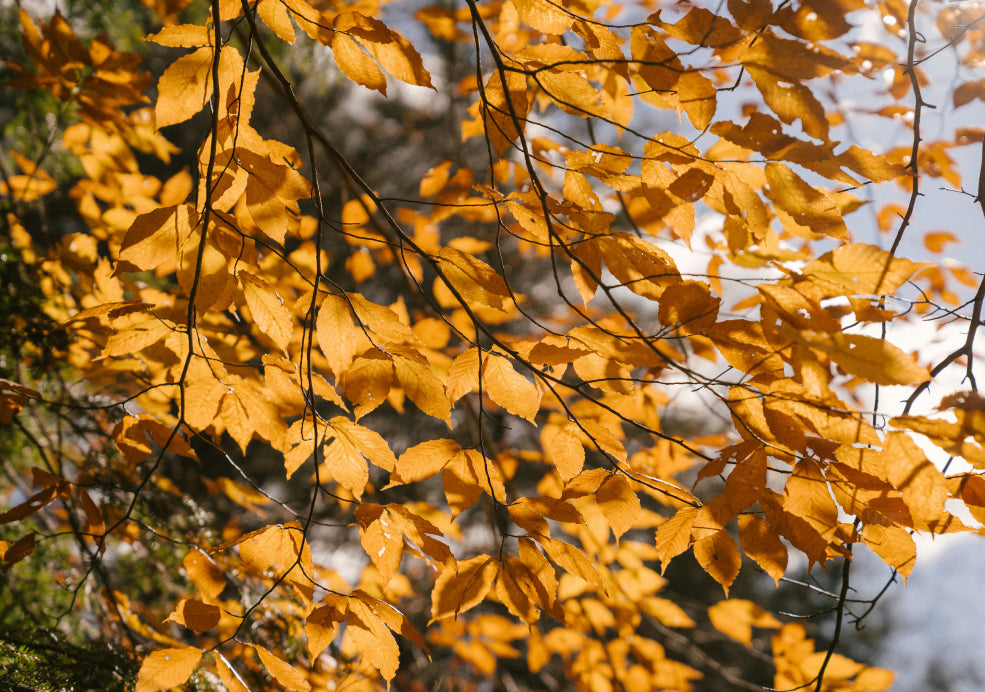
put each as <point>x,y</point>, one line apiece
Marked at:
<point>619,503</point>
<point>719,557</point>
<point>463,586</point>
<point>736,617</point>
<point>508,388</point>
<point>282,671</point>
<point>167,668</point>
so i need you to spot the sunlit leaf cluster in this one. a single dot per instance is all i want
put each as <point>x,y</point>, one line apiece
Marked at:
<point>470,378</point>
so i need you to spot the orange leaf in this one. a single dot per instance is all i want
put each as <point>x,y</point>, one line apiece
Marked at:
<point>417,378</point>
<point>424,460</point>
<point>167,668</point>
<point>370,635</point>
<point>157,236</point>
<point>619,503</point>
<point>204,574</point>
<point>564,449</point>
<point>719,557</point>
<point>544,16</point>
<point>462,587</point>
<point>282,671</point>
<point>761,543</point>
<point>267,308</point>
<point>894,545</point>
<point>182,36</point>
<point>184,88</point>
<point>321,626</point>
<point>736,617</point>
<point>874,359</point>
<point>674,535</point>
<point>195,615</point>
<point>510,389</point>
<point>380,538</point>
<point>356,64</point>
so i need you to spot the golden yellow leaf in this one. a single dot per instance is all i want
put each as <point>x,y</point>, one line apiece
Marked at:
<point>391,50</point>
<point>369,443</point>
<point>875,360</point>
<point>277,548</point>
<point>322,624</point>
<point>761,543</point>
<point>458,478</point>
<point>666,612</point>
<point>367,381</point>
<point>167,668</point>
<point>572,92</point>
<point>807,205</point>
<point>417,378</point>
<point>619,503</point>
<point>372,638</point>
<point>719,557</point>
<point>28,187</point>
<point>356,64</point>
<point>463,375</point>
<point>859,269</point>
<point>698,98</point>
<point>383,322</point>
<point>736,617</point>
<point>395,621</point>
<point>806,495</point>
<point>282,671</point>
<point>182,36</point>
<point>641,266</point>
<point>674,535</point>
<point>475,280</point>
<point>791,101</point>
<point>543,15</point>
<point>157,236</point>
<point>267,309</point>
<point>276,15</point>
<point>215,287</point>
<point>873,680</point>
<point>517,588</point>
<point>462,586</point>
<point>204,574</point>
<point>230,678</point>
<point>571,559</point>
<point>337,333</point>
<point>920,482</point>
<point>689,306</point>
<point>184,88</point>
<point>564,449</point>
<point>500,115</point>
<point>380,538</point>
<point>586,269</point>
<point>508,388</point>
<point>894,545</point>
<point>702,27</point>
<point>424,460</point>
<point>235,415</point>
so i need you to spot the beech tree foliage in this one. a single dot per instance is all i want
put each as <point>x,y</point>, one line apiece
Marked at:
<point>273,414</point>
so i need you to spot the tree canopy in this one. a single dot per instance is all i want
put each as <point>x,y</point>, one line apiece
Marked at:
<point>358,344</point>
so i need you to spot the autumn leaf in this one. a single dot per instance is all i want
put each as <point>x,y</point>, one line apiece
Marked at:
<point>282,671</point>
<point>597,280</point>
<point>619,503</point>
<point>167,668</point>
<point>719,557</point>
<point>508,388</point>
<point>736,617</point>
<point>463,586</point>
